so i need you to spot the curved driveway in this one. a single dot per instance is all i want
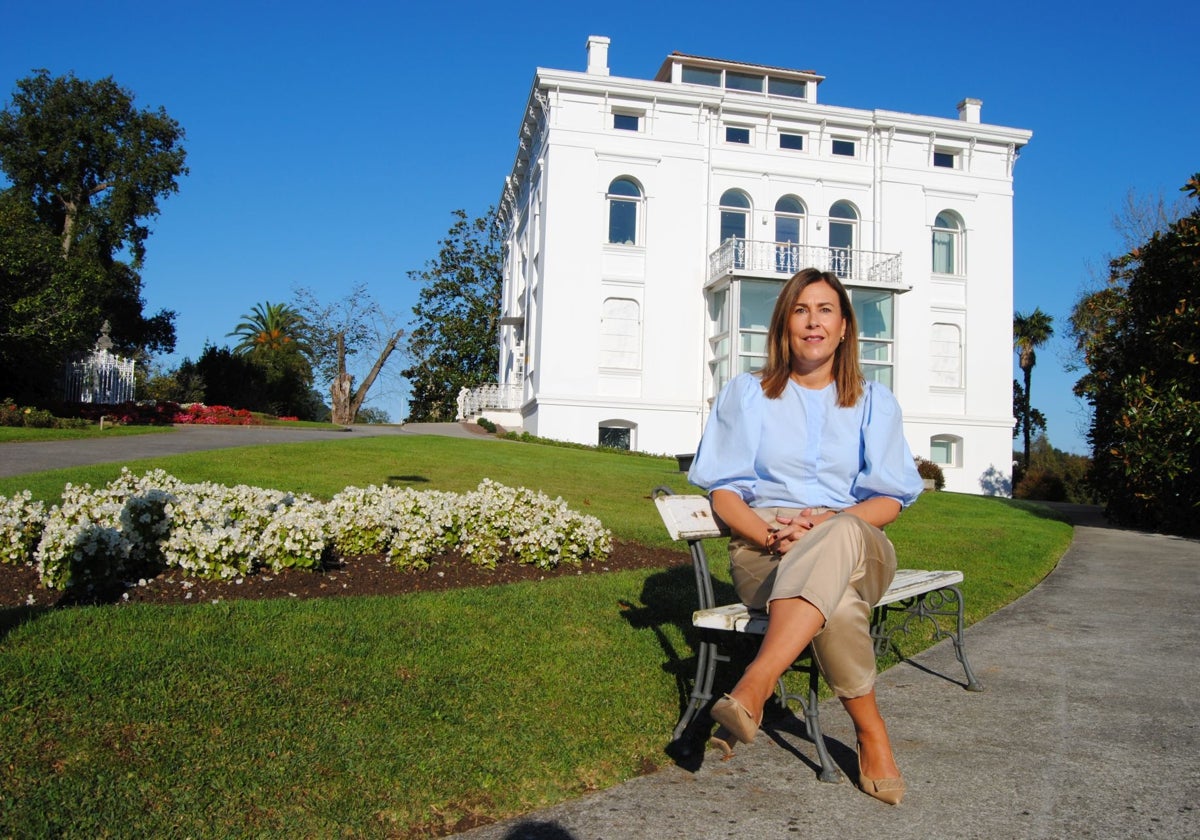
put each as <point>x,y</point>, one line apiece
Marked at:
<point>18,458</point>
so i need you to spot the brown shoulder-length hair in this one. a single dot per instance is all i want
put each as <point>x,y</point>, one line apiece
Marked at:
<point>847,373</point>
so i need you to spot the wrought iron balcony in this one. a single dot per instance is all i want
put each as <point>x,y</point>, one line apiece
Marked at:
<point>772,259</point>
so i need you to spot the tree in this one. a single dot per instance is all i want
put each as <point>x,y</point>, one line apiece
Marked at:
<point>271,328</point>
<point>1029,332</point>
<point>339,332</point>
<point>1029,419</point>
<point>92,164</point>
<point>455,342</point>
<point>1140,341</point>
<point>240,381</point>
<point>85,170</point>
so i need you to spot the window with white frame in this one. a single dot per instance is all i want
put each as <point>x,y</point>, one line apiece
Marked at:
<point>735,223</point>
<point>624,210</point>
<point>845,148</point>
<point>743,81</point>
<point>620,334</point>
<point>946,450</point>
<point>874,310</point>
<point>789,233</point>
<point>945,159</point>
<point>757,300</point>
<point>718,337</point>
<point>843,229</point>
<point>737,134</point>
<point>947,243</point>
<point>626,121</point>
<point>945,356</point>
<point>616,434</point>
<point>792,141</point>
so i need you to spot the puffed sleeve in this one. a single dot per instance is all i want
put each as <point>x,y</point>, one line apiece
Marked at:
<point>725,459</point>
<point>888,467</point>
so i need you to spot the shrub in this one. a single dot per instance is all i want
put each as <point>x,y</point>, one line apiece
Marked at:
<point>487,424</point>
<point>12,414</point>
<point>1041,484</point>
<point>928,469</point>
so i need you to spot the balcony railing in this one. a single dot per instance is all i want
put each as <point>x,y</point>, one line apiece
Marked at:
<point>473,401</point>
<point>868,268</point>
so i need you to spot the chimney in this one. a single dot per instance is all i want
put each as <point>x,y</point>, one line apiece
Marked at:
<point>597,47</point>
<point>968,110</point>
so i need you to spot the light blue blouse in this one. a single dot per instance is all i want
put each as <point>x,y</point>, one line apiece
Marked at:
<point>802,450</point>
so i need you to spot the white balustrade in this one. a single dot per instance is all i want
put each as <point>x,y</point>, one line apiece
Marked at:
<point>504,397</point>
<point>872,268</point>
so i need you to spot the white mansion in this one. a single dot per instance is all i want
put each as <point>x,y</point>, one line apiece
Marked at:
<point>649,225</point>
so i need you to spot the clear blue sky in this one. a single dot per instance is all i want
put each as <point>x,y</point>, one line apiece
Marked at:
<point>329,142</point>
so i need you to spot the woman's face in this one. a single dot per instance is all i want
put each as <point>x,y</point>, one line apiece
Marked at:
<point>815,329</point>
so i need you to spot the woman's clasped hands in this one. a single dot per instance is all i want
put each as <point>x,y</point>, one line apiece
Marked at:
<point>790,529</point>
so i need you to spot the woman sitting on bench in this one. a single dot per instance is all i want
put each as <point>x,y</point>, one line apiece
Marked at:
<point>785,451</point>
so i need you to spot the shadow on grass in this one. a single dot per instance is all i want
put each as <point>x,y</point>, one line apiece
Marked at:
<point>407,479</point>
<point>669,598</point>
<point>13,617</point>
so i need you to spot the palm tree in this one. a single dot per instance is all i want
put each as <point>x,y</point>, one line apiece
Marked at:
<point>1030,332</point>
<point>271,327</point>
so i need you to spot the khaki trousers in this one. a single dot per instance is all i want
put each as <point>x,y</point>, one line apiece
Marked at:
<point>842,567</point>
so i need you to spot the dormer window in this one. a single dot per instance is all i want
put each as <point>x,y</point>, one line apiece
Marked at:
<point>794,88</point>
<point>701,76</point>
<point>743,81</point>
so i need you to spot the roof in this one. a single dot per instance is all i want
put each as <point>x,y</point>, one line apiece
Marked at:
<point>664,72</point>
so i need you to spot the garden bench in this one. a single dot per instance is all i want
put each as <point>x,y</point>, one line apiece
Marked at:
<point>918,595</point>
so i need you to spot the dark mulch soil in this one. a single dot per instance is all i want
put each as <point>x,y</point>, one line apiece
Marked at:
<point>19,585</point>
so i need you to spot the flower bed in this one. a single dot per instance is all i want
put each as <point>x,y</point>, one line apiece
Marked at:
<point>139,526</point>
<point>215,415</point>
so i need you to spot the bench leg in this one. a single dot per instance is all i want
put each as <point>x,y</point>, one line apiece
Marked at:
<point>812,720</point>
<point>707,658</point>
<point>960,651</point>
<point>946,602</point>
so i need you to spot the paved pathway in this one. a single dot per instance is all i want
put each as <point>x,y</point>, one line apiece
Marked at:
<point>1088,727</point>
<point>34,456</point>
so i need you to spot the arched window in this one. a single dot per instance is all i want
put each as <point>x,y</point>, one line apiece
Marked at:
<point>735,215</point>
<point>789,233</point>
<point>624,206</point>
<point>843,229</point>
<point>947,243</point>
<point>735,221</point>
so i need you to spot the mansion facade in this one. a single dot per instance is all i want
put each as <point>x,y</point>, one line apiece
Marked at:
<point>648,226</point>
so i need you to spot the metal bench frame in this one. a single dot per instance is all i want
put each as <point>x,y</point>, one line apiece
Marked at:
<point>921,596</point>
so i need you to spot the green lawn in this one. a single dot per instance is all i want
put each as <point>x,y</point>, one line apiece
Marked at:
<point>384,717</point>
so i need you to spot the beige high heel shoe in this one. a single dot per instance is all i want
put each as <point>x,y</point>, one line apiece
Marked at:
<point>733,716</point>
<point>890,791</point>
